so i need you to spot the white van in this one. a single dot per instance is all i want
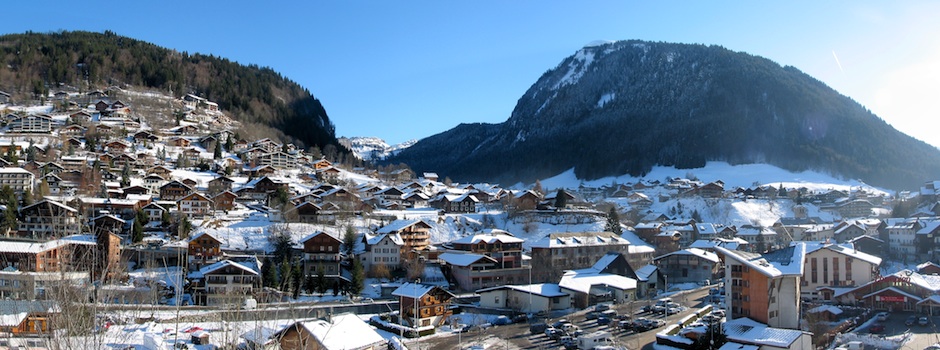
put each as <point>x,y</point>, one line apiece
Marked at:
<point>592,340</point>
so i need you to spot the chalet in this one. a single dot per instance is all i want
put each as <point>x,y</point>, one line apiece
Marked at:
<point>154,212</point>
<point>485,260</point>
<point>163,171</point>
<point>107,223</point>
<point>323,253</point>
<point>195,205</point>
<point>278,160</point>
<point>93,206</point>
<point>80,117</point>
<point>450,203</point>
<point>145,136</point>
<point>832,267</point>
<point>343,198</point>
<point>529,299</point>
<point>267,145</point>
<point>192,156</point>
<point>423,305</point>
<point>102,106</point>
<point>125,160</point>
<point>526,200</point>
<point>117,146</point>
<point>225,283</point>
<point>22,318</point>
<point>401,175</point>
<point>589,287</point>
<point>260,171</point>
<point>20,180</point>
<point>414,233</point>
<point>31,124</point>
<point>103,129</point>
<point>153,182</point>
<point>305,212</point>
<point>53,183</point>
<point>174,191</point>
<point>184,130</point>
<point>415,199</point>
<point>73,130</point>
<point>204,249</point>
<point>557,252</point>
<point>48,220</point>
<point>220,184</point>
<point>688,265</point>
<point>337,332</point>
<point>383,249</point>
<point>328,174</point>
<point>322,164</point>
<point>179,142</point>
<point>225,200</point>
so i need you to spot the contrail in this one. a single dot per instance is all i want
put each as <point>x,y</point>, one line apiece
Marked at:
<point>837,61</point>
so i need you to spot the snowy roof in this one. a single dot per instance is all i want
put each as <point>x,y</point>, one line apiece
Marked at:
<point>412,290</point>
<point>13,312</point>
<point>896,290</point>
<point>637,244</point>
<point>825,308</point>
<point>693,252</point>
<point>548,290</point>
<point>397,225</point>
<point>317,233</point>
<point>344,331</point>
<point>212,268</point>
<point>583,280</point>
<point>848,251</point>
<point>645,272</point>
<point>33,247</point>
<point>489,237</point>
<point>559,240</point>
<point>746,330</point>
<point>605,261</point>
<point>396,238</point>
<point>464,259</point>
<point>786,261</point>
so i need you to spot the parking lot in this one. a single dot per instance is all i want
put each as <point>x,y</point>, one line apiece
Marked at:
<point>922,336</point>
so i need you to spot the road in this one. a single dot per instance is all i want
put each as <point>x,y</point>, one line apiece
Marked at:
<point>517,336</point>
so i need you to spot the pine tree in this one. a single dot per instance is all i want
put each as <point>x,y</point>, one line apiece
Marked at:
<point>269,273</point>
<point>228,144</point>
<point>285,274</point>
<point>561,200</point>
<point>297,277</point>
<point>138,231</point>
<point>357,283</point>
<point>349,240</point>
<point>613,221</point>
<point>321,281</point>
<point>217,154</point>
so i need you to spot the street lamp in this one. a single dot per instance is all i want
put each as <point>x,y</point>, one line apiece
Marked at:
<point>665,283</point>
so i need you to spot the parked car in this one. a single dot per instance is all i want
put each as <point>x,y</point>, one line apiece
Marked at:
<point>602,307</point>
<point>502,320</point>
<point>876,328</point>
<point>719,313</point>
<point>923,321</point>
<point>552,332</point>
<point>603,321</point>
<point>882,316</point>
<point>910,320</point>
<point>625,324</point>
<point>560,322</point>
<point>592,315</point>
<point>537,328</point>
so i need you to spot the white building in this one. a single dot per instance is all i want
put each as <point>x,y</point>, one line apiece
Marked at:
<point>20,180</point>
<point>532,298</point>
<point>831,266</point>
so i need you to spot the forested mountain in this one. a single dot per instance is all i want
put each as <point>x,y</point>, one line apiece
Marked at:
<point>33,64</point>
<point>622,107</point>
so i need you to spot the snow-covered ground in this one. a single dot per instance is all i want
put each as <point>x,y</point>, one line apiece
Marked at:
<point>744,175</point>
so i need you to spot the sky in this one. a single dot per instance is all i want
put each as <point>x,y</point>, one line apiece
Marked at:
<point>407,70</point>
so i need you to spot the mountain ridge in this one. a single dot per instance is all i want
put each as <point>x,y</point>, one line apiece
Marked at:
<point>624,107</point>
<point>265,102</point>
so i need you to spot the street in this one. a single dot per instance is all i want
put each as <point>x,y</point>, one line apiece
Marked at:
<point>517,336</point>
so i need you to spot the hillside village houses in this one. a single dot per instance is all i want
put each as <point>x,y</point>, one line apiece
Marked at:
<point>140,192</point>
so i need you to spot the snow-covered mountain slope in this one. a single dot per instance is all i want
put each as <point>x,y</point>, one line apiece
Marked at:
<point>372,148</point>
<point>744,175</point>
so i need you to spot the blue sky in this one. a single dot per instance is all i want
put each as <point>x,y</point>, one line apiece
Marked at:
<point>403,70</point>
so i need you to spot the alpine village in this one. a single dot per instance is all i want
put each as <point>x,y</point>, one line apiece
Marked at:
<point>135,217</point>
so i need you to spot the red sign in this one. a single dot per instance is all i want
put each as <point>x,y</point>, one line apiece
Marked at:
<point>890,299</point>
